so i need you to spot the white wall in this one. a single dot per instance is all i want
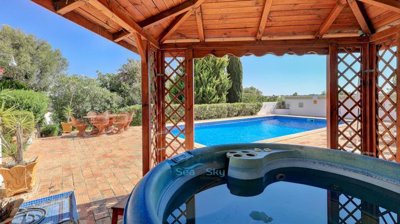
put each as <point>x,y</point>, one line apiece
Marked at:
<point>267,108</point>
<point>314,106</point>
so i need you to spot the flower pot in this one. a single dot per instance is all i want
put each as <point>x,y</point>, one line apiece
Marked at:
<point>66,127</point>
<point>19,178</point>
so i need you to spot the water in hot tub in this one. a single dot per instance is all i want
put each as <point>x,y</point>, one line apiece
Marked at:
<point>282,202</point>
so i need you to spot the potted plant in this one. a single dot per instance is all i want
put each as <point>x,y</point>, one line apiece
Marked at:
<point>281,107</point>
<point>67,126</point>
<point>18,174</point>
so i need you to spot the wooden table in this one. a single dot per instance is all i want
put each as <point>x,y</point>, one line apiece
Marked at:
<point>111,118</point>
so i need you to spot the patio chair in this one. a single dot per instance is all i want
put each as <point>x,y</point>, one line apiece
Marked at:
<point>100,123</point>
<point>110,121</point>
<point>80,126</point>
<point>92,114</point>
<point>129,121</point>
<point>120,123</point>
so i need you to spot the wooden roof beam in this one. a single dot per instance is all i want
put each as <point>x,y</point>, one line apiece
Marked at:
<point>391,5</point>
<point>361,18</point>
<point>174,11</point>
<point>141,47</point>
<point>178,21</point>
<point>121,35</point>
<point>115,13</point>
<point>264,19</point>
<point>64,6</point>
<point>331,18</point>
<point>199,21</point>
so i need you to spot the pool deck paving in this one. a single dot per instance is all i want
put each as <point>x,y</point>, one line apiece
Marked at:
<point>102,170</point>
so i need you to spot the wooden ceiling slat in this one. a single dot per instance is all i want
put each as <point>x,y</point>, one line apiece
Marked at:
<point>232,4</point>
<point>109,25</point>
<point>178,21</point>
<point>172,12</point>
<point>133,11</point>
<point>320,12</point>
<point>139,5</point>
<point>114,12</point>
<point>232,10</point>
<point>264,18</point>
<point>325,5</point>
<point>359,16</point>
<point>331,18</point>
<point>391,5</point>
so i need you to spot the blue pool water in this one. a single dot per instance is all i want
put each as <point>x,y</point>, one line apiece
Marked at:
<point>251,129</point>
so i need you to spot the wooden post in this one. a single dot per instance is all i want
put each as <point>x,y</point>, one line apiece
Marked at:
<point>161,128</point>
<point>365,100</point>
<point>398,99</point>
<point>372,101</point>
<point>146,122</point>
<point>333,206</point>
<point>332,97</point>
<point>189,100</point>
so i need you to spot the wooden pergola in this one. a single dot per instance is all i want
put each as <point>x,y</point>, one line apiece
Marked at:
<point>360,37</point>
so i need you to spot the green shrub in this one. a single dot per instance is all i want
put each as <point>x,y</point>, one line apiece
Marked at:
<point>50,130</point>
<point>224,110</point>
<point>82,94</point>
<point>137,114</point>
<point>203,111</point>
<point>28,100</point>
<point>9,83</point>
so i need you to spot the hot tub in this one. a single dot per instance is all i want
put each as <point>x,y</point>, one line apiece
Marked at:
<point>267,183</point>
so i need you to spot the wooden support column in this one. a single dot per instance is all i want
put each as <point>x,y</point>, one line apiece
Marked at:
<point>161,124</point>
<point>371,101</point>
<point>366,103</point>
<point>146,119</point>
<point>189,100</point>
<point>332,97</point>
<point>398,99</point>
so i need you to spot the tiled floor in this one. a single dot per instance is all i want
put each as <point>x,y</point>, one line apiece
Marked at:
<point>103,169</point>
<point>99,170</point>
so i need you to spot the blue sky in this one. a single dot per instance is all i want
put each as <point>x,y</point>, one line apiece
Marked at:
<point>87,52</point>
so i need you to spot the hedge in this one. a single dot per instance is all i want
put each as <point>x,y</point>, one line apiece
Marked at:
<point>206,111</point>
<point>50,130</point>
<point>137,114</point>
<point>28,100</point>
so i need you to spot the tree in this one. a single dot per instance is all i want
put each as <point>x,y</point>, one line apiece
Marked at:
<point>252,95</point>
<point>295,94</point>
<point>235,72</point>
<point>38,65</point>
<point>211,80</point>
<point>82,94</point>
<point>125,83</point>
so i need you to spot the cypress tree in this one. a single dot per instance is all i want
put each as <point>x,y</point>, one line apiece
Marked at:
<point>235,72</point>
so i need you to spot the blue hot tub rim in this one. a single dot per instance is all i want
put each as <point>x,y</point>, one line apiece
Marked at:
<point>144,202</point>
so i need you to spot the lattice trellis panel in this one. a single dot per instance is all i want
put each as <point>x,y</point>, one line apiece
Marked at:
<point>349,99</point>
<point>174,106</point>
<point>386,101</point>
<point>388,217</point>
<point>178,216</point>
<point>349,209</point>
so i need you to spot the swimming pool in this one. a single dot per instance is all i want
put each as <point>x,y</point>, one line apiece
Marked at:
<point>251,129</point>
